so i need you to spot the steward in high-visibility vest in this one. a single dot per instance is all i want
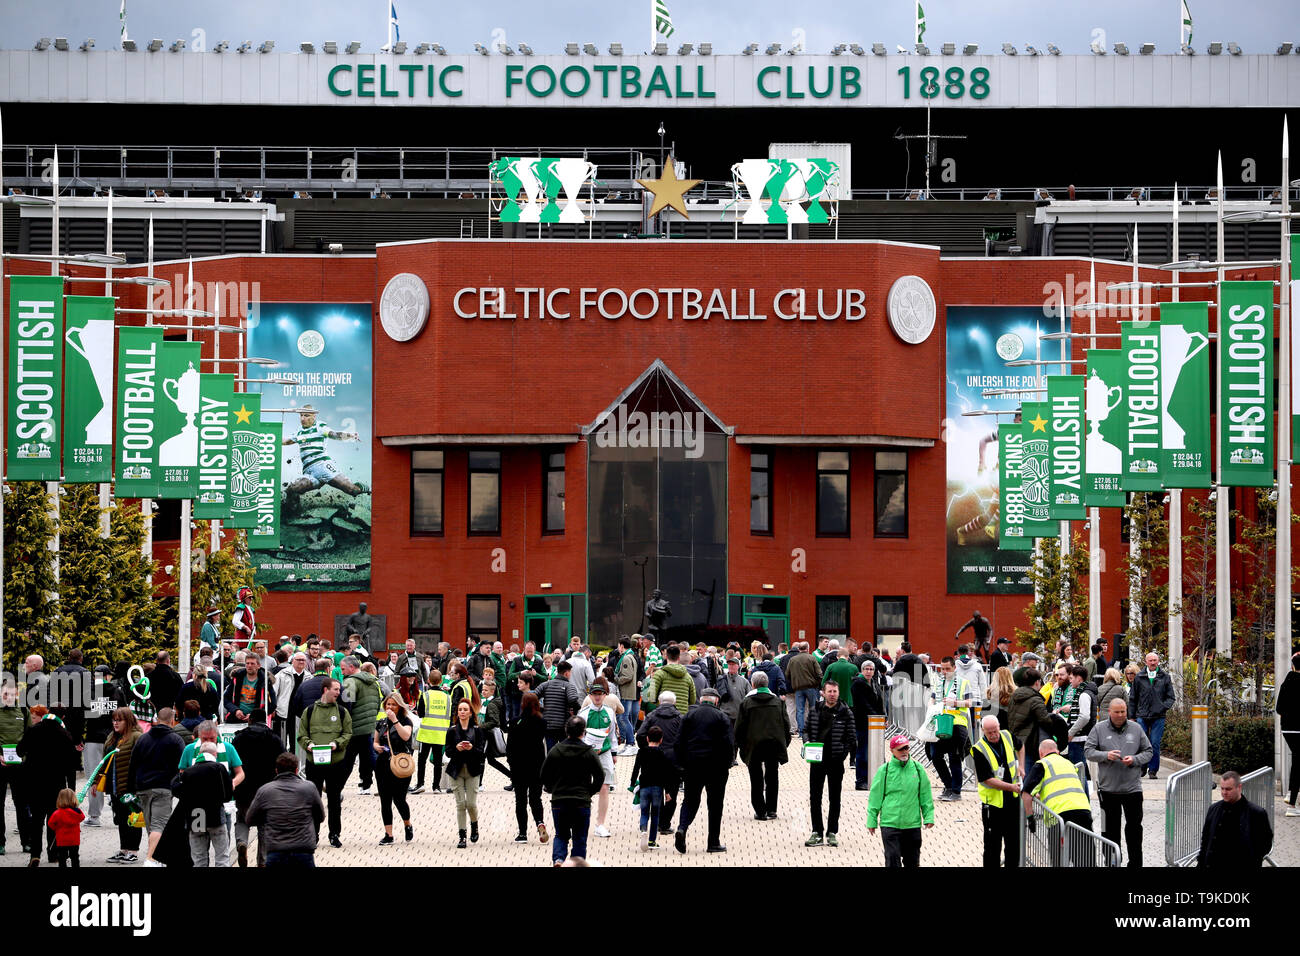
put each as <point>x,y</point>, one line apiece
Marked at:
<point>1061,790</point>
<point>437,717</point>
<point>988,795</point>
<point>961,687</point>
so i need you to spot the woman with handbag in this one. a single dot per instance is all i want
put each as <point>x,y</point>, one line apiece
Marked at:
<point>394,764</point>
<point>465,744</point>
<point>117,783</point>
<point>491,720</point>
<point>526,750</point>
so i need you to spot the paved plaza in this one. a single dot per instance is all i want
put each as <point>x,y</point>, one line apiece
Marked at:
<point>954,841</point>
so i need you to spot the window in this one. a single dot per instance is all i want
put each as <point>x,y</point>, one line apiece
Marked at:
<point>760,493</point>
<point>425,626</point>
<point>553,482</point>
<point>833,618</point>
<point>833,493</point>
<point>891,620</point>
<point>484,617</point>
<point>891,494</point>
<point>485,492</point>
<point>426,492</point>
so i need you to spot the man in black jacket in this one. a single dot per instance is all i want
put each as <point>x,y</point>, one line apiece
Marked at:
<point>203,788</point>
<point>249,690</point>
<point>258,747</point>
<point>668,719</point>
<point>164,682</point>
<point>868,701</point>
<point>1001,657</point>
<point>1236,833</point>
<point>831,725</point>
<point>763,737</point>
<point>704,752</point>
<point>1151,697</point>
<point>571,774</point>
<point>154,760</point>
<point>560,701</point>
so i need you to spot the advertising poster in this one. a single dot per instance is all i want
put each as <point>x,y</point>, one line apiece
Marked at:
<point>326,431</point>
<point>980,341</point>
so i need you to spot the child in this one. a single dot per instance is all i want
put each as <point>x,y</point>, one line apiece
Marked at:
<point>65,821</point>
<point>658,779</point>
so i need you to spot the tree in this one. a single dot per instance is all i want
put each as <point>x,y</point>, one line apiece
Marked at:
<point>1061,608</point>
<point>1148,587</point>
<point>142,612</point>
<point>30,601</point>
<point>216,577</point>
<point>1197,605</point>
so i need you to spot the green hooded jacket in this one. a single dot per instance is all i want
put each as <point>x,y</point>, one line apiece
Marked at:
<point>362,690</point>
<point>900,796</point>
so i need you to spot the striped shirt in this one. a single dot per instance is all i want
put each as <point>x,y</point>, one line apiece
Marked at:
<point>600,721</point>
<point>311,443</point>
<point>652,656</point>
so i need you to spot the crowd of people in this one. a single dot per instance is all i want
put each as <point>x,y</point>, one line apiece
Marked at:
<point>190,765</point>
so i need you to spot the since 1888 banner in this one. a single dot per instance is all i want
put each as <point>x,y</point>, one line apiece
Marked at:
<point>325,507</point>
<point>980,341</point>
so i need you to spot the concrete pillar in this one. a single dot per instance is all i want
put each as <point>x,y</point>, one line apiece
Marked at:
<point>875,744</point>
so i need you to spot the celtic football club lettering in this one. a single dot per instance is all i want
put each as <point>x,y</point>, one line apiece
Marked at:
<point>1246,383</point>
<point>35,379</point>
<point>138,395</point>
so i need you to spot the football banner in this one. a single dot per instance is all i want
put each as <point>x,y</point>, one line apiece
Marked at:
<point>246,438</point>
<point>1246,384</point>
<point>88,389</point>
<point>216,393</point>
<point>1185,394</point>
<point>1107,429</point>
<point>139,351</point>
<point>1036,468</point>
<point>1065,445</point>
<point>1140,343</point>
<point>178,413</point>
<point>35,391</point>
<point>265,532</point>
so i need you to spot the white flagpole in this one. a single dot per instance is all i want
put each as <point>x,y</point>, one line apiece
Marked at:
<point>146,504</point>
<point>1282,586</point>
<point>105,488</point>
<point>52,487</point>
<point>186,506</point>
<point>1094,513</point>
<point>1134,605</point>
<point>654,32</point>
<point>1175,655</point>
<point>1067,599</point>
<point>1222,544</point>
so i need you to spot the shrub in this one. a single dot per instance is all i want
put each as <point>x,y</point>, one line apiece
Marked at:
<point>1236,743</point>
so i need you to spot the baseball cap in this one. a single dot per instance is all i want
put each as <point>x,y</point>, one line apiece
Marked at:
<point>899,741</point>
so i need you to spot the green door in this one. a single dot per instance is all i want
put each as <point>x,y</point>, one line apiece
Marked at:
<point>551,619</point>
<point>771,612</point>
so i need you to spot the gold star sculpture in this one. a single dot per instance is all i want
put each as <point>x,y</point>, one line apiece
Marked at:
<point>243,416</point>
<point>1039,423</point>
<point>668,190</point>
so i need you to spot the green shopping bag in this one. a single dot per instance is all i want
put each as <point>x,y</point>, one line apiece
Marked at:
<point>943,726</point>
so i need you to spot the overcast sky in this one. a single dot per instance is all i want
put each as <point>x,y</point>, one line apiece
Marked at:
<point>1258,25</point>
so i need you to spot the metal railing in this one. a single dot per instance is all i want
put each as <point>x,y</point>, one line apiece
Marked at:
<point>1053,842</point>
<point>1257,787</point>
<point>1188,794</point>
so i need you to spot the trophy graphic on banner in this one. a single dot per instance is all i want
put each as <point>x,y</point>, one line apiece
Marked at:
<point>182,449</point>
<point>94,343</point>
<point>1102,457</point>
<point>1176,350</point>
<point>572,175</point>
<point>787,184</point>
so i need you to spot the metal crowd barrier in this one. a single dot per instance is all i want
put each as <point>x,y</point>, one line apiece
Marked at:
<point>1257,787</point>
<point>1053,842</point>
<point>1188,794</point>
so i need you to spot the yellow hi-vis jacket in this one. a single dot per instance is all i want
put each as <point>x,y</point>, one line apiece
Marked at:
<point>437,717</point>
<point>1061,789</point>
<point>989,795</point>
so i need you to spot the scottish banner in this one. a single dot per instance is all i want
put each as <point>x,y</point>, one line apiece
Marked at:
<point>1246,384</point>
<point>1140,343</point>
<point>178,412</point>
<point>1036,468</point>
<point>139,352</point>
<point>246,445</point>
<point>1185,394</point>
<point>35,377</point>
<point>1065,445</point>
<point>216,393</point>
<point>265,532</point>
<point>88,389</point>
<point>1107,429</point>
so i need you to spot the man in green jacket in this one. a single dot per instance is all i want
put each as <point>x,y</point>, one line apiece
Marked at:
<point>13,723</point>
<point>324,734</point>
<point>842,671</point>
<point>674,677</point>
<point>362,692</point>
<point>900,804</point>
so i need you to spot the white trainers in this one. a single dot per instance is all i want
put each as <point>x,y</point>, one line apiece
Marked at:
<point>363,791</point>
<point>601,831</point>
<point>1293,812</point>
<point>645,840</point>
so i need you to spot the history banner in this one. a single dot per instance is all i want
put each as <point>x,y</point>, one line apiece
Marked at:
<point>88,389</point>
<point>325,498</point>
<point>35,391</point>
<point>1246,384</point>
<point>1140,343</point>
<point>1107,429</point>
<point>216,394</point>
<point>178,413</point>
<point>1065,446</point>
<point>246,438</point>
<point>980,341</point>
<point>1185,394</point>
<point>139,351</point>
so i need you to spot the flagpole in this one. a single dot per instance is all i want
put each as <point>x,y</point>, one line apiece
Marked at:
<point>186,506</point>
<point>146,504</point>
<point>1134,604</point>
<point>1067,598</point>
<point>1222,579</point>
<point>1094,513</point>
<point>653,33</point>
<point>52,487</point>
<point>1175,653</point>
<point>4,433</point>
<point>105,488</point>
<point>1282,550</point>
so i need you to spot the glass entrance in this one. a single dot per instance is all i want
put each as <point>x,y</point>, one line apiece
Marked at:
<point>769,611</point>
<point>549,619</point>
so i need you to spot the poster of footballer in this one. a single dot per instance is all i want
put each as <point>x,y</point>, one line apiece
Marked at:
<point>325,411</point>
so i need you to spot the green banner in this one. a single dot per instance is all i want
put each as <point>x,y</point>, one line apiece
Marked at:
<point>178,430</point>
<point>139,391</point>
<point>216,392</point>
<point>266,532</point>
<point>1011,456</point>
<point>35,377</point>
<point>1246,384</point>
<point>1107,429</point>
<point>88,389</point>
<point>1036,469</point>
<point>245,460</point>
<point>1184,394</point>
<point>1065,445</point>
<point>1140,343</point>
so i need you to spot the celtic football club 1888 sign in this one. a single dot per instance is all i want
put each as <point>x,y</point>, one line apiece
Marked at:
<point>1036,468</point>
<point>245,460</point>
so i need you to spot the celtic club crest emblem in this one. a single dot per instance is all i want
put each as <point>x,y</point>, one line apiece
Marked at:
<point>911,309</point>
<point>245,473</point>
<point>1035,480</point>
<point>404,307</point>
